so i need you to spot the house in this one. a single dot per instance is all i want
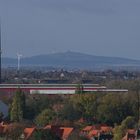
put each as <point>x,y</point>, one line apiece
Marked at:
<point>28,133</point>
<point>85,131</point>
<point>98,132</point>
<point>62,132</point>
<point>130,135</point>
<point>106,129</point>
<point>3,128</point>
<point>93,134</point>
<point>138,134</point>
<point>106,133</point>
<point>105,136</point>
<point>67,131</point>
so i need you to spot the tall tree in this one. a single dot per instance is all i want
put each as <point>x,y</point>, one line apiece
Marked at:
<point>18,106</point>
<point>86,104</point>
<point>45,117</point>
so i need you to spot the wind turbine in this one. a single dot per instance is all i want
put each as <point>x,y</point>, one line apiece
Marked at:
<point>18,58</point>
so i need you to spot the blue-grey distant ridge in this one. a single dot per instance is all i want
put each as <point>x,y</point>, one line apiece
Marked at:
<point>72,60</point>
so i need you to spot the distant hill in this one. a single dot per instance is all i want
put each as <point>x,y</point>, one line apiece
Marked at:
<point>73,60</point>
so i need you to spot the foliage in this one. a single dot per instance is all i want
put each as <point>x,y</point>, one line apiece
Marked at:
<point>45,117</point>
<point>94,107</point>
<point>35,105</point>
<point>14,131</point>
<point>69,112</point>
<point>129,123</point>
<point>107,108</point>
<point>86,104</point>
<point>18,106</point>
<point>44,135</point>
<point>114,108</point>
<point>120,130</point>
<point>75,136</point>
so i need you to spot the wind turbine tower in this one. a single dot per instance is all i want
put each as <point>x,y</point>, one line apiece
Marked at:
<point>18,58</point>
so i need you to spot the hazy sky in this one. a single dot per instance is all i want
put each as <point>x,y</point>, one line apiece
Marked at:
<point>98,27</point>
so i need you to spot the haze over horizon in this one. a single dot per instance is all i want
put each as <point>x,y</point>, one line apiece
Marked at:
<point>96,27</point>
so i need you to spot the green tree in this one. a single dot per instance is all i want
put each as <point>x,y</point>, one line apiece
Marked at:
<point>69,112</point>
<point>18,107</point>
<point>44,135</point>
<point>34,106</point>
<point>86,104</point>
<point>14,131</point>
<point>114,108</point>
<point>129,123</point>
<point>75,136</point>
<point>136,88</point>
<point>45,117</point>
<point>120,131</point>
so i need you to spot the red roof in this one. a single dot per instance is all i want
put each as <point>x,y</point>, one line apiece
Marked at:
<point>106,129</point>
<point>66,132</point>
<point>48,127</point>
<point>62,132</point>
<point>131,131</point>
<point>28,132</point>
<point>130,134</point>
<point>93,133</point>
<point>87,128</point>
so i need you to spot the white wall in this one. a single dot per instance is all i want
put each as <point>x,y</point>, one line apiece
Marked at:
<point>52,91</point>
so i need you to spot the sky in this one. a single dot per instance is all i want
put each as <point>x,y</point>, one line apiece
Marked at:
<point>97,27</point>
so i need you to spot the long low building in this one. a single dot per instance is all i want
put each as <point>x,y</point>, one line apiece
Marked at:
<point>56,88</point>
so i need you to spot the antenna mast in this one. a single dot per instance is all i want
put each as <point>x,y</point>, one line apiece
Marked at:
<point>0,52</point>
